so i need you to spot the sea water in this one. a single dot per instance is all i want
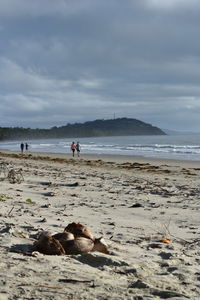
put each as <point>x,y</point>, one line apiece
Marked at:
<point>183,147</point>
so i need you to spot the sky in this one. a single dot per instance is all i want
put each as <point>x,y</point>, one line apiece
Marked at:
<point>68,61</point>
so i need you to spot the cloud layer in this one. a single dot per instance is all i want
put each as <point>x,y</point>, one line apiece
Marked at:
<point>73,61</point>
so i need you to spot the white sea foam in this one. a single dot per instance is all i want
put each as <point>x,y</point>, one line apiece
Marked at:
<point>185,147</point>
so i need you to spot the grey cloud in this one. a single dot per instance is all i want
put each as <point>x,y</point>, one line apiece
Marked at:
<point>171,4</point>
<point>36,8</point>
<point>66,61</point>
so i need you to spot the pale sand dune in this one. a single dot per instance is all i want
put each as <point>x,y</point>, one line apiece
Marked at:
<point>132,202</point>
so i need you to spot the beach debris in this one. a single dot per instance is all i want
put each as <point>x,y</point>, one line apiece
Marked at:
<point>9,228</point>
<point>46,205</point>
<point>162,294</point>
<point>154,246</point>
<point>100,245</point>
<point>51,184</point>
<point>75,281</point>
<point>9,213</point>
<point>111,223</point>
<point>50,246</point>
<point>78,245</point>
<point>136,205</point>
<point>50,194</point>
<point>72,184</point>
<point>75,239</point>
<point>29,200</point>
<point>82,245</point>
<point>46,183</point>
<point>4,170</point>
<point>15,176</point>
<point>78,229</point>
<point>165,240</point>
<point>64,236</point>
<point>166,255</point>
<point>44,220</point>
<point>2,197</point>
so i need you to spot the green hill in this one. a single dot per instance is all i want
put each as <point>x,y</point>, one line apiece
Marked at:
<point>113,127</point>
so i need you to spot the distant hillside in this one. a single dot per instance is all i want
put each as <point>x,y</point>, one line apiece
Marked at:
<point>114,127</point>
<point>178,132</point>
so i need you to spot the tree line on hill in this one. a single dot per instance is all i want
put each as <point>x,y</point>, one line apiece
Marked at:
<point>112,127</point>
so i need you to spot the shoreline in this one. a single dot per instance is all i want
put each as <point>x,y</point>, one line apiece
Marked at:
<point>105,158</point>
<point>183,148</point>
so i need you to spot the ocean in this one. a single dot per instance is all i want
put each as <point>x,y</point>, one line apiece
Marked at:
<point>181,147</point>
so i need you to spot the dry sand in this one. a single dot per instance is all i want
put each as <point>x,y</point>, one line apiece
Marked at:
<point>133,202</point>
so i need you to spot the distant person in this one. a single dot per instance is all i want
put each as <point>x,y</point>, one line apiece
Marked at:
<point>78,148</point>
<point>26,146</point>
<point>73,148</point>
<point>22,147</point>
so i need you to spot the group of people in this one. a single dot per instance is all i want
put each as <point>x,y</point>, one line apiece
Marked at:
<point>75,147</point>
<point>24,146</point>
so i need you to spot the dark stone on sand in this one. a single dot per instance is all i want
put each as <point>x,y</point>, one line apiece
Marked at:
<point>139,284</point>
<point>165,255</point>
<point>49,194</point>
<point>72,184</point>
<point>172,269</point>
<point>166,294</point>
<point>163,294</point>
<point>43,220</point>
<point>135,205</point>
<point>154,246</point>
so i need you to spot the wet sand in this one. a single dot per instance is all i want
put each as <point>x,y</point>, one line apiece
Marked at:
<point>146,209</point>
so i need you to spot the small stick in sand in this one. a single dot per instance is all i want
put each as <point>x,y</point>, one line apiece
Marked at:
<point>10,211</point>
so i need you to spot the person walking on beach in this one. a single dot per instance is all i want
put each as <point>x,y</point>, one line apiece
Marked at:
<point>26,146</point>
<point>73,148</point>
<point>22,147</point>
<point>78,148</point>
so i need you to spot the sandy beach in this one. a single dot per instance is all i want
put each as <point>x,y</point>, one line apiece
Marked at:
<point>147,210</point>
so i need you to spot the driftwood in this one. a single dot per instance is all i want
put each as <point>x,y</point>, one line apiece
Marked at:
<point>4,169</point>
<point>13,175</point>
<point>69,280</point>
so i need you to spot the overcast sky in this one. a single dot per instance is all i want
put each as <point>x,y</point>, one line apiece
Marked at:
<point>67,61</point>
